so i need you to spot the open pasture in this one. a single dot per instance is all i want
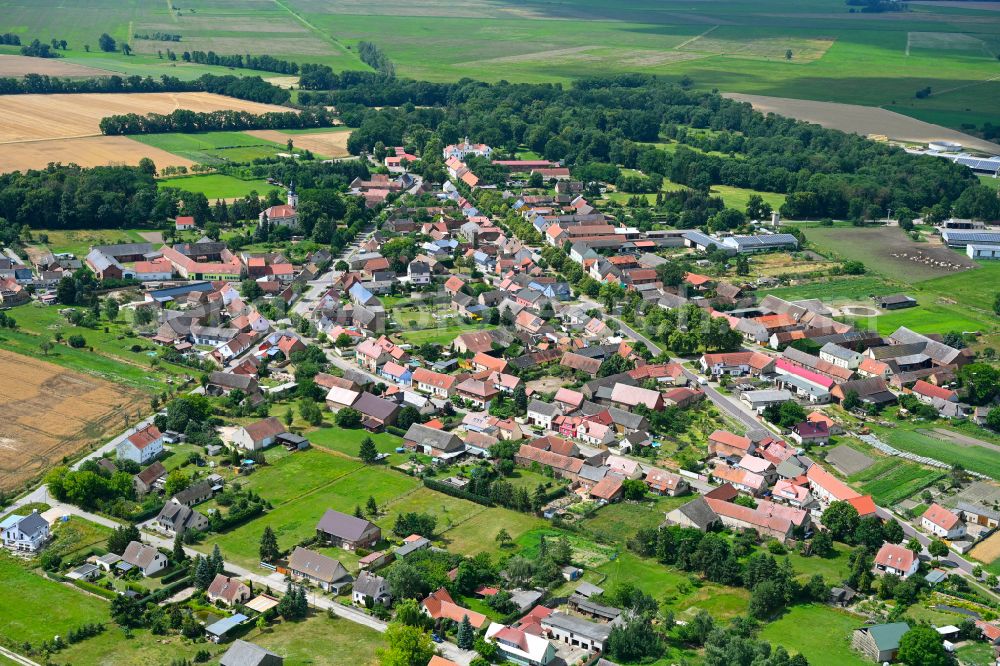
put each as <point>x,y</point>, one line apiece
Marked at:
<point>17,66</point>
<point>821,633</point>
<point>50,413</point>
<point>87,151</point>
<point>41,117</point>
<point>213,147</point>
<point>889,251</point>
<point>217,185</point>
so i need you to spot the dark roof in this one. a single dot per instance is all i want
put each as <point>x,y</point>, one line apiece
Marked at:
<point>371,405</point>
<point>152,473</point>
<point>342,525</point>
<point>194,492</point>
<point>242,653</point>
<point>437,439</point>
<point>699,512</point>
<point>228,380</point>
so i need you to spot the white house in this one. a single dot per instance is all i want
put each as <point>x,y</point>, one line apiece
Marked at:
<point>259,435</point>
<point>460,150</point>
<point>24,534</point>
<point>519,646</point>
<point>144,557</point>
<point>541,413</point>
<point>142,446</point>
<point>942,523</point>
<point>370,586</point>
<point>897,560</point>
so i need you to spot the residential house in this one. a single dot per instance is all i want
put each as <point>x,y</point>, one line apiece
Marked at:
<point>196,493</point>
<point>475,342</point>
<point>827,488</point>
<point>607,490</point>
<point>433,442</point>
<point>144,557</point>
<point>810,432</point>
<point>142,446</point>
<point>329,574</point>
<point>440,606</point>
<point>338,398</point>
<point>541,413</point>
<point>347,532</point>
<point>929,393</point>
<point>662,482</point>
<point>741,479</point>
<point>369,586</point>
<point>896,559</point>
<point>147,479</point>
<point>942,523</point>
<point>737,364</point>
<point>177,518</point>
<point>519,646</point>
<point>722,443</point>
<point>477,392</point>
<point>24,534</point>
<point>258,435</point>
<point>564,466</point>
<point>376,412</point>
<point>437,384</point>
<point>230,591</point>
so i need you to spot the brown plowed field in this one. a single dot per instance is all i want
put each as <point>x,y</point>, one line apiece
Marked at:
<point>87,151</point>
<point>49,412</point>
<point>18,66</point>
<point>327,144</point>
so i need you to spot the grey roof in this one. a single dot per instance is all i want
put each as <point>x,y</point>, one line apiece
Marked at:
<point>769,395</point>
<point>894,299</point>
<point>837,351</point>
<point>126,249</point>
<point>316,565</point>
<point>193,493</point>
<point>229,380</point>
<point>369,584</point>
<point>412,546</point>
<point>545,408</point>
<point>32,523</point>
<point>179,516</point>
<point>594,608</point>
<point>978,509</point>
<point>436,439</point>
<point>342,525</point>
<point>591,473</point>
<point>242,653</point>
<point>579,626</point>
<point>139,554</point>
<point>790,468</point>
<point>588,590</point>
<point>225,625</point>
<point>939,351</point>
<point>699,512</point>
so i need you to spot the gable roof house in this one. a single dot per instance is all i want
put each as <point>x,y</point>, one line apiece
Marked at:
<point>24,534</point>
<point>326,572</point>
<point>896,559</point>
<point>144,557</point>
<point>433,442</point>
<point>370,586</point>
<point>228,590</point>
<point>347,532</point>
<point>142,446</point>
<point>242,653</point>
<point>626,396</point>
<point>376,412</point>
<point>177,518</point>
<point>942,523</point>
<point>662,482</point>
<point>144,481</point>
<point>723,443</point>
<point>439,605</point>
<point>258,435</point>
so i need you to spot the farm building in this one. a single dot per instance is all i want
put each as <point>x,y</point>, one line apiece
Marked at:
<point>880,643</point>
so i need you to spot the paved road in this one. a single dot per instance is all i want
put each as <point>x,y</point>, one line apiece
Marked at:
<point>734,408</point>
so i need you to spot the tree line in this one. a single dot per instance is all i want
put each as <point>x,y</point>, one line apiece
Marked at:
<point>183,120</point>
<point>252,88</point>
<point>263,63</point>
<point>375,58</point>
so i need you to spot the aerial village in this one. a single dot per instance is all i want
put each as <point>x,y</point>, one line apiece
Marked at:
<point>523,395</point>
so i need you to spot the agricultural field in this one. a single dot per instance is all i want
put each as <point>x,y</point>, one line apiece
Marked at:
<point>213,148</point>
<point>975,458</point>
<point>326,144</point>
<point>217,185</point>
<point>890,481</point>
<point>837,289</point>
<point>17,66</point>
<point>79,241</point>
<point>889,251</point>
<point>86,151</point>
<point>51,413</point>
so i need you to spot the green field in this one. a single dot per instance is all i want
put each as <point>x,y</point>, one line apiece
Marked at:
<point>975,458</point>
<point>214,148</point>
<point>620,521</point>
<point>79,241</point>
<point>890,481</point>
<point>737,197</point>
<point>34,609</point>
<point>836,289</point>
<point>442,335</point>
<point>217,185</point>
<point>111,359</point>
<point>821,633</point>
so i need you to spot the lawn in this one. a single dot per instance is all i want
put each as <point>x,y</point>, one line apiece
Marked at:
<point>214,148</point>
<point>821,633</point>
<point>926,318</point>
<point>34,609</point>
<point>478,533</point>
<point>976,654</point>
<point>586,553</point>
<point>619,522</point>
<point>737,197</point>
<point>320,641</point>
<point>217,185</point>
<point>348,442</point>
<point>443,335</point>
<point>836,289</point>
<point>974,458</point>
<point>834,569</point>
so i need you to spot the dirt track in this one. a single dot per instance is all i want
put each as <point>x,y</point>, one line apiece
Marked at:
<point>862,120</point>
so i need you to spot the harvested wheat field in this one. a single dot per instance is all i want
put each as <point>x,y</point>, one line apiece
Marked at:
<point>87,151</point>
<point>36,117</point>
<point>862,120</point>
<point>49,413</point>
<point>15,65</point>
<point>324,144</point>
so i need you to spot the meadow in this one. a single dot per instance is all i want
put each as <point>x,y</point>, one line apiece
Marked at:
<point>214,148</point>
<point>821,633</point>
<point>217,186</point>
<point>974,458</point>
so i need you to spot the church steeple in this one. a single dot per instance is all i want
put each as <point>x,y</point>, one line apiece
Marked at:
<point>293,198</point>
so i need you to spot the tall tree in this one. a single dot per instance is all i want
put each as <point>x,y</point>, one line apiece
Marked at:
<point>269,551</point>
<point>367,451</point>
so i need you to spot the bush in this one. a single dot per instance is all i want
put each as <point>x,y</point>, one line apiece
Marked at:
<point>76,341</point>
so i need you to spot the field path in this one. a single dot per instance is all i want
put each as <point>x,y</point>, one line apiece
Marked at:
<point>695,38</point>
<point>862,120</point>
<point>301,19</point>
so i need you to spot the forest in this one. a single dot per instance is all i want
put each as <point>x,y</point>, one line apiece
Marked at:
<point>183,120</point>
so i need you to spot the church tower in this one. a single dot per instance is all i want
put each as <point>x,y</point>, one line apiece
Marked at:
<point>293,198</point>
